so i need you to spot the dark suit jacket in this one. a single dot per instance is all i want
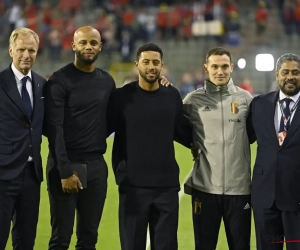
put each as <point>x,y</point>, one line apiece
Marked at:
<point>16,128</point>
<point>276,174</point>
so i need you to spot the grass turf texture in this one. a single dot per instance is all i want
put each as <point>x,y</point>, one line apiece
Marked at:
<point>108,238</point>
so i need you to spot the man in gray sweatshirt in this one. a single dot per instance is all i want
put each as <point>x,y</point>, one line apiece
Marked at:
<point>220,179</point>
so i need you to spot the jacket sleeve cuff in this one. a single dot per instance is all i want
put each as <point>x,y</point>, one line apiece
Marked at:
<point>65,172</point>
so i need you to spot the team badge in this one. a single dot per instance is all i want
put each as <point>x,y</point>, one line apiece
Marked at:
<point>197,207</point>
<point>234,108</point>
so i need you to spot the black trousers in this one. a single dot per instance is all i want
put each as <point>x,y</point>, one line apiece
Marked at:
<point>156,207</point>
<point>19,203</point>
<point>274,226</point>
<point>208,211</point>
<point>88,205</point>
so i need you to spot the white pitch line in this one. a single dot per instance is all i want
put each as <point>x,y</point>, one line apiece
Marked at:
<point>181,193</point>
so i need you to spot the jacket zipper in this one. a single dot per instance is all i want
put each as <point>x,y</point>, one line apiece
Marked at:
<point>224,170</point>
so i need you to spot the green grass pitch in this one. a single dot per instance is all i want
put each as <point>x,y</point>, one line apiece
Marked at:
<point>108,232</point>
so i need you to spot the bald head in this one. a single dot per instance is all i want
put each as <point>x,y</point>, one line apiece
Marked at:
<point>86,30</point>
<point>87,44</point>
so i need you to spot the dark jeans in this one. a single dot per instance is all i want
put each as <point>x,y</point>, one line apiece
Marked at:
<point>157,207</point>
<point>87,203</point>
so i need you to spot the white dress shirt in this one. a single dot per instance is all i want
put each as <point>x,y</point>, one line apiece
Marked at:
<point>278,114</point>
<point>18,77</point>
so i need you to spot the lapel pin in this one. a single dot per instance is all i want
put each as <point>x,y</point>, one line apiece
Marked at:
<point>38,85</point>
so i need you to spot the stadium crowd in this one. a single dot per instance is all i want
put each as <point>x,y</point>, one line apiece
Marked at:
<point>121,23</point>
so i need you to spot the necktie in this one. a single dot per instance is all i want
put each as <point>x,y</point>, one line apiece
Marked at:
<point>287,113</point>
<point>26,98</point>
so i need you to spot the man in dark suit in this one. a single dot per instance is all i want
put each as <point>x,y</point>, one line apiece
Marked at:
<point>21,121</point>
<point>274,120</point>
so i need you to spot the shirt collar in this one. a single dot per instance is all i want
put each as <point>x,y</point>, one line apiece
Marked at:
<point>18,74</point>
<point>210,87</point>
<point>294,97</point>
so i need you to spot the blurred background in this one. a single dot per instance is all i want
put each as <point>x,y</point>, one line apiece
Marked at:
<point>255,32</point>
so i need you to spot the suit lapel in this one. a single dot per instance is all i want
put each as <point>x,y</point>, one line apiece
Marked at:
<point>270,110</point>
<point>10,87</point>
<point>36,89</point>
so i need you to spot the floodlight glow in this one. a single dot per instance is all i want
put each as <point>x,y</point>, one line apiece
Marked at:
<point>241,63</point>
<point>264,62</point>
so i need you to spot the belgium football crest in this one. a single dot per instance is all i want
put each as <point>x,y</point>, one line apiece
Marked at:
<point>234,108</point>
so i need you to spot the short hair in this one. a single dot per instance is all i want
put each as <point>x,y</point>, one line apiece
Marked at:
<point>23,32</point>
<point>149,47</point>
<point>219,51</point>
<point>286,57</point>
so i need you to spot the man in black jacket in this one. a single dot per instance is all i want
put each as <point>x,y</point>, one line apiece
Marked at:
<point>76,101</point>
<point>147,118</point>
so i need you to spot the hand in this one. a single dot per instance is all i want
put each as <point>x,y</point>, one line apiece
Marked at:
<point>164,81</point>
<point>194,151</point>
<point>71,184</point>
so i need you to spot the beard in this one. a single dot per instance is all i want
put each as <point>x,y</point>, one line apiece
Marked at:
<point>149,80</point>
<point>290,91</point>
<point>81,58</point>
